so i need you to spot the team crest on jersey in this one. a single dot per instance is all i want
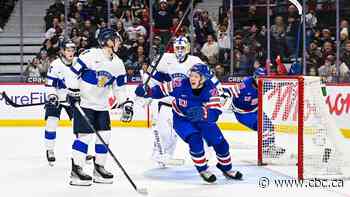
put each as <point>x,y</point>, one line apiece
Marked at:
<point>176,83</point>
<point>183,102</point>
<point>103,77</point>
<point>214,92</point>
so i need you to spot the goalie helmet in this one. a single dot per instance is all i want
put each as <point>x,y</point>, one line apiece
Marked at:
<point>181,48</point>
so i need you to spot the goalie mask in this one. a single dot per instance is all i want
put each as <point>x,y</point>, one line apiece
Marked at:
<point>181,48</point>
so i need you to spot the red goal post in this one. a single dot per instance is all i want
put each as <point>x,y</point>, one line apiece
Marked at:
<point>292,114</point>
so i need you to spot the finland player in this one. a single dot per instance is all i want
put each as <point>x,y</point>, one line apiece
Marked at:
<point>245,107</point>
<point>196,108</point>
<point>171,66</point>
<point>58,71</point>
<point>98,72</point>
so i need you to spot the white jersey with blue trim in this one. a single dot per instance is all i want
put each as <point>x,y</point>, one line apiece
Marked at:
<point>169,64</point>
<point>57,76</point>
<point>98,75</point>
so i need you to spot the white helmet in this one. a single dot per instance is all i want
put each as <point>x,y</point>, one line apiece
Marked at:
<point>181,48</point>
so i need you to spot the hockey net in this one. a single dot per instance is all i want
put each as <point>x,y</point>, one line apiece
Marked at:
<point>296,129</point>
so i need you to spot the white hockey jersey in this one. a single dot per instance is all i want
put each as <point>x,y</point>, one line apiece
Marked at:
<point>171,66</point>
<point>57,76</point>
<point>96,76</point>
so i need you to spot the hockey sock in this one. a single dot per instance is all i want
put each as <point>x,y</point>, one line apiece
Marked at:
<point>101,149</point>
<point>50,132</point>
<point>80,148</point>
<point>197,152</point>
<point>223,156</point>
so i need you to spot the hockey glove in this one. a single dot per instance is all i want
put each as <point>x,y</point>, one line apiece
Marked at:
<point>128,111</point>
<point>52,103</point>
<point>73,96</point>
<point>143,91</point>
<point>196,114</point>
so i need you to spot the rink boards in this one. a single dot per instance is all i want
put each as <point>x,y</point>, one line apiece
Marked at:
<point>338,101</point>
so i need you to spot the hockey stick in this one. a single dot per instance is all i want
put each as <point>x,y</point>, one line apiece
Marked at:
<point>13,104</point>
<point>142,191</point>
<point>159,57</point>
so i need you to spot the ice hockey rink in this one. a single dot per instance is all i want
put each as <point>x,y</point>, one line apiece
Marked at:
<point>25,171</point>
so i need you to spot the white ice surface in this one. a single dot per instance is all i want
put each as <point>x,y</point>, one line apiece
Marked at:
<point>25,172</point>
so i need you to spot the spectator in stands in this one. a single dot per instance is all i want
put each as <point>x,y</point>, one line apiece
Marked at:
<point>101,25</point>
<point>203,27</point>
<point>345,55</point>
<point>219,71</point>
<point>312,71</point>
<point>325,70</point>
<point>313,55</point>
<point>211,49</point>
<point>136,29</point>
<point>278,35</point>
<point>44,62</point>
<point>327,36</point>
<point>344,37</point>
<point>127,19</point>
<point>292,32</point>
<point>121,30</point>
<point>163,20</point>
<point>32,70</point>
<point>327,49</point>
<point>158,47</point>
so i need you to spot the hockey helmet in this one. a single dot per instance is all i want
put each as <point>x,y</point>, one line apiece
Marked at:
<point>259,72</point>
<point>202,70</point>
<point>108,34</point>
<point>67,43</point>
<point>181,48</point>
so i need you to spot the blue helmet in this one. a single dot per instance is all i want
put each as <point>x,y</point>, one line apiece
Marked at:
<point>259,72</point>
<point>107,34</point>
<point>201,69</point>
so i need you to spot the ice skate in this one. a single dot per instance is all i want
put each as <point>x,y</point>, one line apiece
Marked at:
<point>208,176</point>
<point>89,159</point>
<point>78,177</point>
<point>101,175</point>
<point>233,174</point>
<point>50,156</point>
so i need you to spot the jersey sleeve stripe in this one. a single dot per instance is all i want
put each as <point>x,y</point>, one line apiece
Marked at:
<point>121,80</point>
<point>77,68</point>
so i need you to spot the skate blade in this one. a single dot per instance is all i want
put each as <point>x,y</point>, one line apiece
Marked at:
<point>78,182</point>
<point>102,180</point>
<point>174,162</point>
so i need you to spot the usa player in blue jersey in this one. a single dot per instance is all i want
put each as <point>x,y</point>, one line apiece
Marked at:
<point>245,107</point>
<point>196,108</point>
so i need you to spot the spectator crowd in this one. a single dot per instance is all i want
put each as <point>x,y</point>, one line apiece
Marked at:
<point>211,39</point>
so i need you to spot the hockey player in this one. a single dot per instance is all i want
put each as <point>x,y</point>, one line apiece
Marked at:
<point>58,71</point>
<point>98,71</point>
<point>245,107</point>
<point>196,108</point>
<point>172,66</point>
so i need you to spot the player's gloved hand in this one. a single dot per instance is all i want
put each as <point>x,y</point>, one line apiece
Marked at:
<point>196,114</point>
<point>128,111</point>
<point>142,91</point>
<point>232,91</point>
<point>52,102</point>
<point>73,96</point>
<point>53,99</point>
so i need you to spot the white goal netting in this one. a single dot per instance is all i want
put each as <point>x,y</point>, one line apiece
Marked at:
<point>296,128</point>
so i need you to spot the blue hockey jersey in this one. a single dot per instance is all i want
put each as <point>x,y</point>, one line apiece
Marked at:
<point>247,98</point>
<point>184,98</point>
